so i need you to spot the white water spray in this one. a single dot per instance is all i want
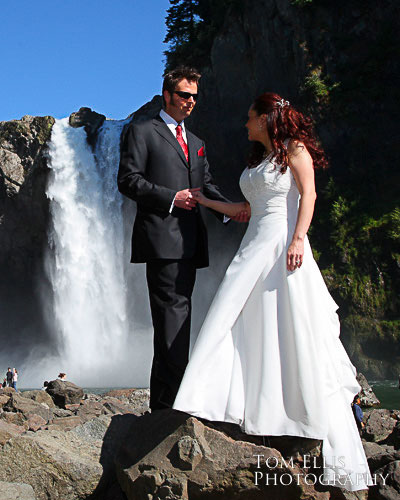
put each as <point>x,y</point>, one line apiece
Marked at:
<point>85,261</point>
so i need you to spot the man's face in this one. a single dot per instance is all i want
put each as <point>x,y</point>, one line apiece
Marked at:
<point>178,107</point>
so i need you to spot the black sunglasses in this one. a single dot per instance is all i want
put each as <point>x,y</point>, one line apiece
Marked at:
<point>186,95</point>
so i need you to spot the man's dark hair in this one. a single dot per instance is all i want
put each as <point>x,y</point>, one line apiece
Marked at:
<point>172,78</point>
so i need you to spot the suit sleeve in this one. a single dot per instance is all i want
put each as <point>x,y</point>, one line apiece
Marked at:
<point>132,173</point>
<point>211,190</point>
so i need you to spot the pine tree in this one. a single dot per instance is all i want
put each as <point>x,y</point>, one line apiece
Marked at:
<point>181,22</point>
<point>191,26</point>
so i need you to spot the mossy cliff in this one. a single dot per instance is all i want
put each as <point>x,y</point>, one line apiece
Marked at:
<point>24,218</point>
<point>337,61</point>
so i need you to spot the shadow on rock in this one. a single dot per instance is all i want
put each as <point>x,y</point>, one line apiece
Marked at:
<point>116,434</point>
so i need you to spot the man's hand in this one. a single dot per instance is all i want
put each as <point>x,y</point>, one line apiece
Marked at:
<point>184,199</point>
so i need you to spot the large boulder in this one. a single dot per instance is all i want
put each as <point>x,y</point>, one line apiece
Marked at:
<point>379,455</point>
<point>58,465</point>
<point>388,483</point>
<point>39,396</point>
<point>64,393</point>
<point>27,407</point>
<point>379,425</point>
<point>169,454</point>
<point>89,119</point>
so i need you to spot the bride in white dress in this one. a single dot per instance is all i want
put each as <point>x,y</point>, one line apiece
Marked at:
<point>268,356</point>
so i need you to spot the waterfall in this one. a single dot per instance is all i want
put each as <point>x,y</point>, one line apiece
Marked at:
<point>86,263</point>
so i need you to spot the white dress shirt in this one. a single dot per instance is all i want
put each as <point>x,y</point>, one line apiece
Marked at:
<point>172,124</point>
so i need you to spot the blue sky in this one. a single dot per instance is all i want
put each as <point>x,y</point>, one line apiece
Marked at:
<point>57,56</point>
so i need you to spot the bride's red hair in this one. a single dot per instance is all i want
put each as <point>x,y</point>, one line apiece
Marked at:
<point>284,122</point>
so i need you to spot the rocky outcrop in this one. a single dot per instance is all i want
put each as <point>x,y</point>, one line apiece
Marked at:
<point>367,396</point>
<point>88,119</point>
<point>68,456</point>
<point>39,397</point>
<point>103,451</point>
<point>24,219</point>
<point>380,424</point>
<point>170,454</point>
<point>275,45</point>
<point>64,393</point>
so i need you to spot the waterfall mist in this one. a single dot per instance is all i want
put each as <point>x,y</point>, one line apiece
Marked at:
<point>86,262</point>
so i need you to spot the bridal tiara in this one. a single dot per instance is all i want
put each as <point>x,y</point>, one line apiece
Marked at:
<point>282,103</point>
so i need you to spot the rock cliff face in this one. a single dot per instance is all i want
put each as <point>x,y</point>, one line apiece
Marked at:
<point>335,61</point>
<point>23,224</point>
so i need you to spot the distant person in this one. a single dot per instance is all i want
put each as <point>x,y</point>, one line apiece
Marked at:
<point>4,384</point>
<point>9,377</point>
<point>62,376</point>
<point>45,384</point>
<point>358,413</point>
<point>15,378</point>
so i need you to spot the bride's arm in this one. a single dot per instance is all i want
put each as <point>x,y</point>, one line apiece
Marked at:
<point>301,165</point>
<point>229,209</point>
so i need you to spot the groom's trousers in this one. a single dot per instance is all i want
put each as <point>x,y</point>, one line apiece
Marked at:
<point>170,284</point>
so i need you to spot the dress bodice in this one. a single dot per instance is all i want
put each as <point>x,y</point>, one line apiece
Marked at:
<point>268,190</point>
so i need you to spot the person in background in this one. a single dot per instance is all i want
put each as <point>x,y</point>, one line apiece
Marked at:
<point>15,379</point>
<point>45,384</point>
<point>4,384</point>
<point>62,376</point>
<point>357,411</point>
<point>9,377</point>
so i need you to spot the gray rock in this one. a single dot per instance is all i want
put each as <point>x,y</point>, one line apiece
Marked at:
<point>35,422</point>
<point>57,464</point>
<point>90,409</point>
<point>64,423</point>
<point>16,491</point>
<point>64,393</point>
<point>138,399</point>
<point>89,119</point>
<point>367,396</point>
<point>39,396</point>
<point>115,406</point>
<point>379,425</point>
<point>93,429</point>
<point>171,455</point>
<point>28,407</point>
<point>379,455</point>
<point>9,430</point>
<point>61,412</point>
<point>388,483</point>
<point>24,219</point>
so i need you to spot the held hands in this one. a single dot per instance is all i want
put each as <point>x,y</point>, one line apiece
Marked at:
<point>186,198</point>
<point>244,214</point>
<point>295,253</point>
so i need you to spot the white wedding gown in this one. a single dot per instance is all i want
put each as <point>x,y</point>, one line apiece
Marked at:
<point>268,356</point>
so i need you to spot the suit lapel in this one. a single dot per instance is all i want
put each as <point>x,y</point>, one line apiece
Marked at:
<point>162,129</point>
<point>191,147</point>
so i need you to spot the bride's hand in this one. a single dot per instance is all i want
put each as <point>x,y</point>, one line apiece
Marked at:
<point>295,254</point>
<point>199,196</point>
<point>244,212</point>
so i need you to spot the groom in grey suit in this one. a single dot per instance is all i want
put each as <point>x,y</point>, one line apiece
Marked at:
<point>161,164</point>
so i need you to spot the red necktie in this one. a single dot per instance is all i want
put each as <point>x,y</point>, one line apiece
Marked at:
<point>183,144</point>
